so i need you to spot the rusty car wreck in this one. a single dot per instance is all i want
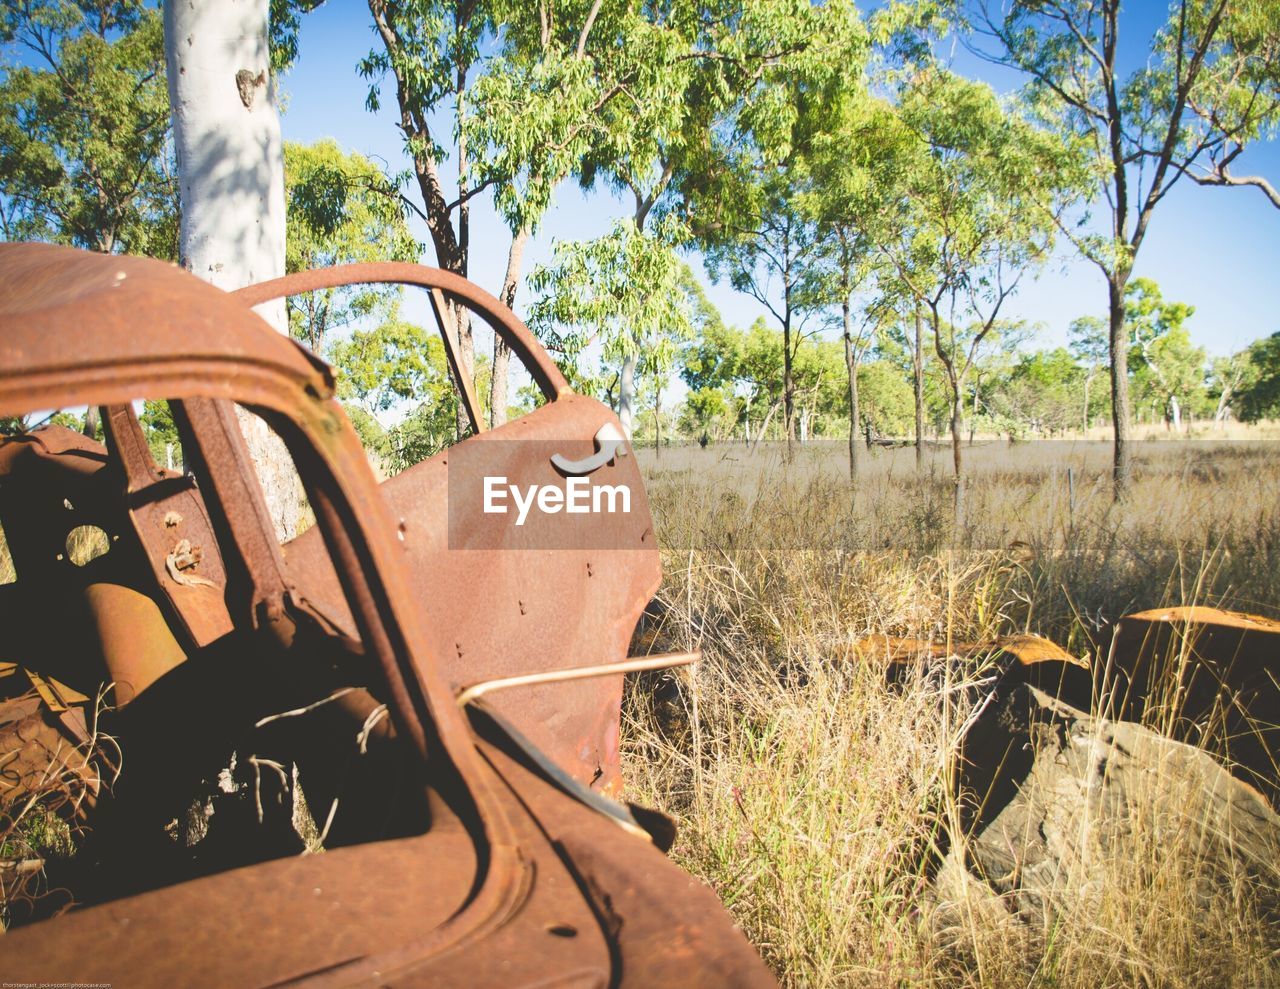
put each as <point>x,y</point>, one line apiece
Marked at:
<point>450,706</point>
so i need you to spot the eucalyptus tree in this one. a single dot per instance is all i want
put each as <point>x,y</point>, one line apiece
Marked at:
<point>979,197</point>
<point>84,119</point>
<point>577,88</point>
<point>710,364</point>
<point>430,49</point>
<point>1167,366</point>
<point>708,86</point>
<point>768,258</point>
<point>342,209</point>
<point>902,344</point>
<point>1205,88</point>
<point>1227,377</point>
<point>690,74</point>
<point>627,293</point>
<point>1235,99</point>
<point>848,198</point>
<point>1260,391</point>
<point>392,363</point>
<point>1089,345</point>
<point>536,111</point>
<point>230,157</point>
<point>452,103</point>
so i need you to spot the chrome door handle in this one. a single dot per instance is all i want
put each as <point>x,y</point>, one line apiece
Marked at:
<point>610,443</point>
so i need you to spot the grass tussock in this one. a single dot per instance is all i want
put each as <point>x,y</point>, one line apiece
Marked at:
<point>813,796</point>
<point>48,783</point>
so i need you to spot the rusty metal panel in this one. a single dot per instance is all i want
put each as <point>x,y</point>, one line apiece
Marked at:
<point>516,880</point>
<point>515,334</point>
<point>506,610</point>
<point>49,295</point>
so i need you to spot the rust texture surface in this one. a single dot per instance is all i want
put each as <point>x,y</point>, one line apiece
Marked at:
<point>463,846</point>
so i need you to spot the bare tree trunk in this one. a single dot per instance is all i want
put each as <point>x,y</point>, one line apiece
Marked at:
<point>851,362</point>
<point>627,394</point>
<point>657,418</point>
<point>501,352</point>
<point>1085,420</point>
<point>764,426</point>
<point>957,450</point>
<point>1223,412</point>
<point>973,419</point>
<point>917,374</point>
<point>226,134</point>
<point>466,338</point>
<point>788,387</point>
<point>1122,470</point>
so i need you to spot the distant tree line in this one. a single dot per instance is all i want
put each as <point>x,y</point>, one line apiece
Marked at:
<point>733,383</point>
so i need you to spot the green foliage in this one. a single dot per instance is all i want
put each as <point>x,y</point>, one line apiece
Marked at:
<point>1167,368</point>
<point>393,362</point>
<point>1089,341</point>
<point>533,112</point>
<point>628,291</point>
<point>708,411</point>
<point>400,368</point>
<point>961,199</point>
<point>1204,92</point>
<point>684,85</point>
<point>371,432</point>
<point>162,435</point>
<point>736,377</point>
<point>432,41</point>
<point>84,114</point>
<point>886,399</point>
<point>342,209</point>
<point>1040,394</point>
<point>1234,100</point>
<point>1260,394</point>
<point>983,191</point>
<point>285,23</point>
<point>713,358</point>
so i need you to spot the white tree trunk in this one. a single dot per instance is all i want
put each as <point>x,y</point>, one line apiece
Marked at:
<point>226,133</point>
<point>627,394</point>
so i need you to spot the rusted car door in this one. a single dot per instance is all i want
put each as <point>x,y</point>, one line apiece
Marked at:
<point>501,600</point>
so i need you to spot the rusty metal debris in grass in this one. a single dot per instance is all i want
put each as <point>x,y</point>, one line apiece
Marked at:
<point>482,843</point>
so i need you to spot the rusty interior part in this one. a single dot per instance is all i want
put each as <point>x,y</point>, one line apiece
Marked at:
<point>1013,659</point>
<point>466,846</point>
<point>1206,676</point>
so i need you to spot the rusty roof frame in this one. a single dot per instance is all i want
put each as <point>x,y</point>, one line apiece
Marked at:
<point>47,361</point>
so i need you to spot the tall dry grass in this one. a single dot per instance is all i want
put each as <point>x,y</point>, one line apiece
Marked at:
<point>813,797</point>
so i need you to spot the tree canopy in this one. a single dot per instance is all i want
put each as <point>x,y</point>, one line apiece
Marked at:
<point>84,157</point>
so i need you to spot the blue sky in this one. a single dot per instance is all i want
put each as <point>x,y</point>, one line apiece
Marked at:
<point>1216,249</point>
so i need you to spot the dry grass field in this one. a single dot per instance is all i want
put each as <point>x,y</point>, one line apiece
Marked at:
<point>810,794</point>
